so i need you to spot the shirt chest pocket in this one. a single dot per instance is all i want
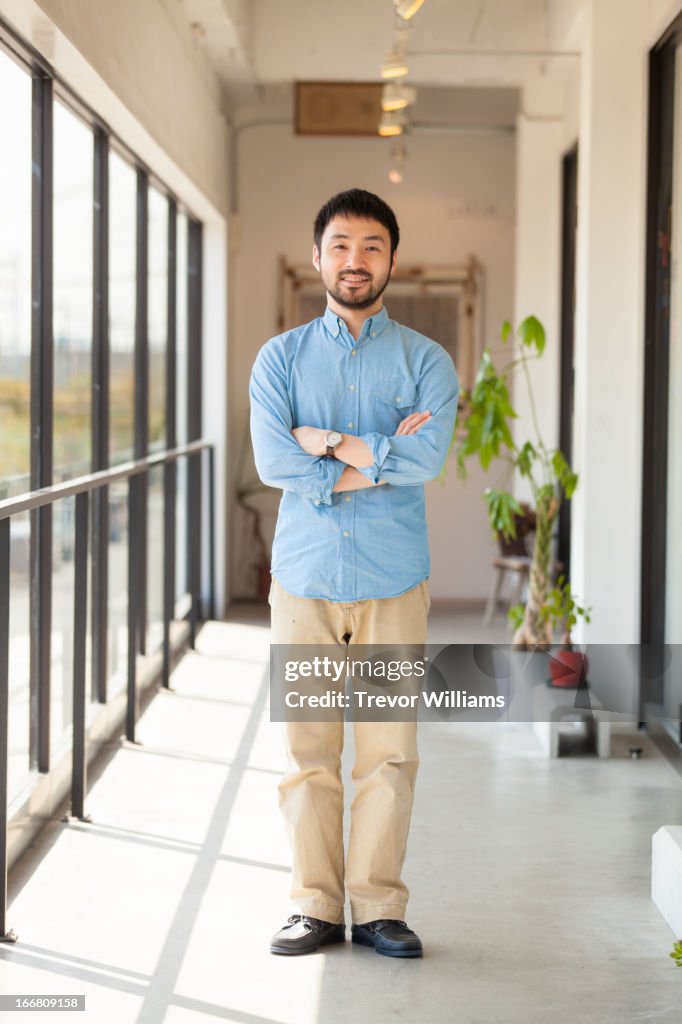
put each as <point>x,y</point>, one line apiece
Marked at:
<point>394,399</point>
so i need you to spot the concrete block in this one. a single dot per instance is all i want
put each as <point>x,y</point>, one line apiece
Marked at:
<point>666,875</point>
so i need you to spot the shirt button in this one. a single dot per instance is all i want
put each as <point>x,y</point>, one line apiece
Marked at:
<point>350,424</point>
<point>397,398</point>
<point>373,334</point>
<point>346,533</point>
<point>351,387</point>
<point>353,352</point>
<point>347,498</point>
<point>317,501</point>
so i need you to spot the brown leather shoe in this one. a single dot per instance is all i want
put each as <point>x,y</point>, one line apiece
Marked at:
<point>304,934</point>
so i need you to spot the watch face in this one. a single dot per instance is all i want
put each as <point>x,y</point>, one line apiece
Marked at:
<point>333,438</point>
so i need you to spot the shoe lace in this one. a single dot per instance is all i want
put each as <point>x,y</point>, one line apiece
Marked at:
<point>378,925</point>
<point>313,922</point>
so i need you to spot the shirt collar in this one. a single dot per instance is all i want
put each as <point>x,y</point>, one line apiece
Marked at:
<point>374,325</point>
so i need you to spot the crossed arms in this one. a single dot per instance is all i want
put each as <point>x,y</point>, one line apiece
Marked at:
<point>292,457</point>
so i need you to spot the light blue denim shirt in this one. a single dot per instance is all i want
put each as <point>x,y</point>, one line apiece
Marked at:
<point>369,543</point>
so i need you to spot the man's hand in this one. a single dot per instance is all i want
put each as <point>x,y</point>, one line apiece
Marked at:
<point>412,423</point>
<point>311,439</point>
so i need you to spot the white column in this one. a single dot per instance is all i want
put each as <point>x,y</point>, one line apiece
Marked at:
<point>609,346</point>
<point>539,141</point>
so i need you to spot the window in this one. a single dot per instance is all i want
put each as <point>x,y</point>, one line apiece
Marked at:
<point>15,387</point>
<point>91,259</point>
<point>122,283</point>
<point>72,303</point>
<point>72,387</point>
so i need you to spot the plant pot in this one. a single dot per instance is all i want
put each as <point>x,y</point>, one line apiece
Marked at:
<point>568,668</point>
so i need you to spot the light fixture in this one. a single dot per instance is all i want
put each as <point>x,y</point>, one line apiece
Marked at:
<point>395,65</point>
<point>398,159</point>
<point>396,96</point>
<point>407,9</point>
<point>392,123</point>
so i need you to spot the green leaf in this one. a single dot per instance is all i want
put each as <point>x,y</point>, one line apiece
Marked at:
<point>567,479</point>
<point>506,330</point>
<point>502,511</point>
<point>515,616</point>
<point>570,484</point>
<point>532,333</point>
<point>525,458</point>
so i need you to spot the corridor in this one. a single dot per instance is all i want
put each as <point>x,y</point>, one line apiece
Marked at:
<point>529,877</point>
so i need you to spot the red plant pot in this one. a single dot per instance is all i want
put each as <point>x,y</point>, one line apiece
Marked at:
<point>567,668</point>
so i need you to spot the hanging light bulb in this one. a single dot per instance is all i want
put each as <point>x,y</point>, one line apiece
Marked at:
<point>398,158</point>
<point>395,65</point>
<point>391,123</point>
<point>407,9</point>
<point>396,96</point>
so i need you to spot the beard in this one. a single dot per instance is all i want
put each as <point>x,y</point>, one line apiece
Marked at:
<point>360,298</point>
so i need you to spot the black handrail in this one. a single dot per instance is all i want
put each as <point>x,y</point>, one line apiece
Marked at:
<point>82,487</point>
<point>89,482</point>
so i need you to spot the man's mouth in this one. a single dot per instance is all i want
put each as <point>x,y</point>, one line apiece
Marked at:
<point>354,279</point>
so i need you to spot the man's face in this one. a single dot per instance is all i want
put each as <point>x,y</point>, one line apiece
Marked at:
<point>354,261</point>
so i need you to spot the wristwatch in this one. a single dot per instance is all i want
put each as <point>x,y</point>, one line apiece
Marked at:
<point>332,439</point>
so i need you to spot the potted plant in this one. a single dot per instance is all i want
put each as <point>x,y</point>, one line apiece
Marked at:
<point>566,666</point>
<point>484,431</point>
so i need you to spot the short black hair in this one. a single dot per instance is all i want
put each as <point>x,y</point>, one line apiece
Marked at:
<point>356,202</point>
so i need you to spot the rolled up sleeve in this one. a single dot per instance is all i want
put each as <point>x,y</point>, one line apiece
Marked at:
<point>413,459</point>
<point>280,460</point>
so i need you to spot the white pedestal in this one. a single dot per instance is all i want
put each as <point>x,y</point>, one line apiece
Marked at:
<point>552,705</point>
<point>666,875</point>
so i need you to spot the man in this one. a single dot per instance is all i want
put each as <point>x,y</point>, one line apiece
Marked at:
<point>350,415</point>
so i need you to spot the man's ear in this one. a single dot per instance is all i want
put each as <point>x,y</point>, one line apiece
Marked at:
<point>393,261</point>
<point>316,258</point>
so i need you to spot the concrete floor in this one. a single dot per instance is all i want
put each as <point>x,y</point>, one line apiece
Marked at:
<point>529,878</point>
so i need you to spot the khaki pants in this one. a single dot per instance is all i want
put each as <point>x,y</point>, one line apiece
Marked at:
<point>386,760</point>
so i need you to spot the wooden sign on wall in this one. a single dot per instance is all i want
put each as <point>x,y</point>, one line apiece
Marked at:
<point>338,108</point>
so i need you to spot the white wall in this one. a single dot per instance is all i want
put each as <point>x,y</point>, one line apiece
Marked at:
<point>457,199</point>
<point>609,343</point>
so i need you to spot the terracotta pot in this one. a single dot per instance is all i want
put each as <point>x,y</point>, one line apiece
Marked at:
<point>568,668</point>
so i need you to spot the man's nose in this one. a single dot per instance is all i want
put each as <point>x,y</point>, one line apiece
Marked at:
<point>355,259</point>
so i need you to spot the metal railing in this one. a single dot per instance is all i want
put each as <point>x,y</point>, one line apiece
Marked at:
<point>136,473</point>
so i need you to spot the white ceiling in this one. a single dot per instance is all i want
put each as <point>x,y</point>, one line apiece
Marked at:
<point>503,43</point>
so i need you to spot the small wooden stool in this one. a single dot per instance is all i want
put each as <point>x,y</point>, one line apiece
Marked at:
<point>518,564</point>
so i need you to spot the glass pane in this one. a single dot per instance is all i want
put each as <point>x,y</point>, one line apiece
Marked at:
<point>122,280</point>
<point>62,664</point>
<point>15,384</point>
<point>181,343</point>
<point>73,225</point>
<point>181,414</point>
<point>62,622</point>
<point>155,563</point>
<point>181,535</point>
<point>673,604</point>
<point>673,580</point>
<point>117,624</point>
<point>158,317</point>
<point>122,255</point>
<point>19,654</point>
<point>15,278</point>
